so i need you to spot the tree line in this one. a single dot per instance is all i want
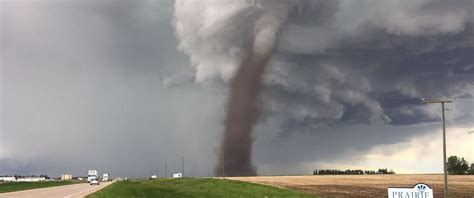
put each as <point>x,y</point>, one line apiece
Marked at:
<point>459,166</point>
<point>455,166</point>
<point>25,176</point>
<point>351,172</point>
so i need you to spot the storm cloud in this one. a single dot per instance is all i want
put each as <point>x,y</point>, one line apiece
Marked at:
<point>141,83</point>
<point>352,60</point>
<point>339,62</point>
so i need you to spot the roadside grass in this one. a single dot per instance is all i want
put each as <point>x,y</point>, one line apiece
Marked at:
<point>17,186</point>
<point>192,187</point>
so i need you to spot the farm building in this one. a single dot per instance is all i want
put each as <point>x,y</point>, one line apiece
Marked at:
<point>66,177</point>
<point>30,179</point>
<point>7,179</point>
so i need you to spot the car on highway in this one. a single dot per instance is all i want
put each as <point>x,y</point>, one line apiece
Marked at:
<point>94,182</point>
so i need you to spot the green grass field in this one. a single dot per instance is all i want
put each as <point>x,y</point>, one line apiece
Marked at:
<point>17,186</point>
<point>192,187</point>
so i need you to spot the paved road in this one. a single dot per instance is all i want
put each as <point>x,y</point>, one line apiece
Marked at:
<point>67,191</point>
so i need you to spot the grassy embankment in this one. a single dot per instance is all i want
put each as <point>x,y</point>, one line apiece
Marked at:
<point>17,186</point>
<point>192,187</point>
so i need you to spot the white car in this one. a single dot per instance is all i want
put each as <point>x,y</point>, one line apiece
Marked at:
<point>94,182</point>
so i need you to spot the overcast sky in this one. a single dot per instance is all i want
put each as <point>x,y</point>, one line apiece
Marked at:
<point>127,86</point>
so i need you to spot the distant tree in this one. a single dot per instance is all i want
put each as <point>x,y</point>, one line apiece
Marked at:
<point>457,166</point>
<point>471,170</point>
<point>351,172</point>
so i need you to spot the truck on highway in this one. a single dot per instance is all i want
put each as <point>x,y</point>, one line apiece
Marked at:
<point>105,177</point>
<point>177,175</point>
<point>91,175</point>
<point>94,181</point>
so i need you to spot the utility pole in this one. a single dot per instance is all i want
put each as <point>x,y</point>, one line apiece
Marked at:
<point>182,160</point>
<point>166,169</point>
<point>223,163</point>
<point>444,140</point>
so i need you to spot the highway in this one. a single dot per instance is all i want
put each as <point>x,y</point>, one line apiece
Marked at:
<point>67,191</point>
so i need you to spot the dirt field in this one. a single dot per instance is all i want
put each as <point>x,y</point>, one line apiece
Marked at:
<point>365,185</point>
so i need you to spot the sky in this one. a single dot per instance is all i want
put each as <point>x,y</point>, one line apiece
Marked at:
<point>126,87</point>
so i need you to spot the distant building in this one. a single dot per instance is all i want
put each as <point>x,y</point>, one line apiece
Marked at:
<point>30,179</point>
<point>66,177</point>
<point>177,175</point>
<point>7,179</point>
<point>153,177</point>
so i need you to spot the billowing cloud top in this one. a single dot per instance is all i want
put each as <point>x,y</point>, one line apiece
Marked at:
<point>339,61</point>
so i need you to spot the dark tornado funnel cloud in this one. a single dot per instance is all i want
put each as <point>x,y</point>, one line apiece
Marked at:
<point>243,103</point>
<point>234,42</point>
<point>242,114</point>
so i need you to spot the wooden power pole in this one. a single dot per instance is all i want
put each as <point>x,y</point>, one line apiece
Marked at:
<point>223,163</point>
<point>442,102</point>
<point>182,161</point>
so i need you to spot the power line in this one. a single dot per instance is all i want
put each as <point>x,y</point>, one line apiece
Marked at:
<point>434,110</point>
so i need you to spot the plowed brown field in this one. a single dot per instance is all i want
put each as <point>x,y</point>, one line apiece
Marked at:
<point>366,185</point>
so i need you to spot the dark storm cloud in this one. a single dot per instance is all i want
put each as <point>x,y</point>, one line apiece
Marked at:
<point>368,78</point>
<point>392,80</point>
<point>340,63</point>
<point>395,80</point>
<point>100,84</point>
<point>374,73</point>
<point>349,58</point>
